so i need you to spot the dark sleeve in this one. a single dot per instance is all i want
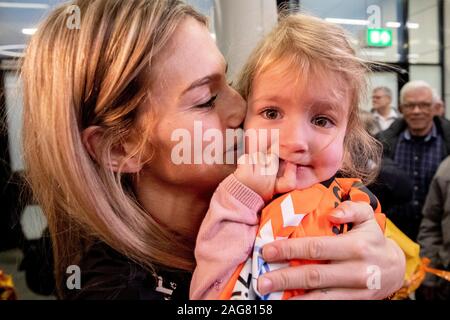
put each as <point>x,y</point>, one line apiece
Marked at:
<point>107,275</point>
<point>37,263</point>
<point>115,283</point>
<point>393,186</point>
<point>430,236</point>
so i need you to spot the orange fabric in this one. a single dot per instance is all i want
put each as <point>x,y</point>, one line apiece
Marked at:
<point>418,277</point>
<point>6,287</point>
<point>316,203</point>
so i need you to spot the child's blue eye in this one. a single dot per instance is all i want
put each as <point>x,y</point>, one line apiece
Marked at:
<point>322,122</point>
<point>209,104</point>
<point>271,114</point>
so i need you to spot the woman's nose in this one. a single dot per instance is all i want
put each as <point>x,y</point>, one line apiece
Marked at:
<point>235,109</point>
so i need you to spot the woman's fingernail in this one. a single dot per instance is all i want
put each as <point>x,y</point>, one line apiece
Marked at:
<point>338,214</point>
<point>265,285</point>
<point>270,252</point>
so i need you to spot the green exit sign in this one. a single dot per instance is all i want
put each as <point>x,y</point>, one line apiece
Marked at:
<point>379,37</point>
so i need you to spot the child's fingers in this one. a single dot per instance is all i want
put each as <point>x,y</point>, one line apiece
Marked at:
<point>258,159</point>
<point>267,164</point>
<point>288,181</point>
<point>244,159</point>
<point>246,163</point>
<point>274,149</point>
<point>259,163</point>
<point>273,164</point>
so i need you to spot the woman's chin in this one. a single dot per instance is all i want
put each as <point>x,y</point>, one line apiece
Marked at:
<point>212,175</point>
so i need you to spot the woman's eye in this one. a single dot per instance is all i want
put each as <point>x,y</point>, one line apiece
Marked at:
<point>322,122</point>
<point>209,104</point>
<point>271,114</point>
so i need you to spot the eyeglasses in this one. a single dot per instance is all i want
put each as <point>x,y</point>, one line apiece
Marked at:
<point>423,106</point>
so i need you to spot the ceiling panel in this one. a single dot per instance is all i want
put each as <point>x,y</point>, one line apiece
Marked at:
<point>16,15</point>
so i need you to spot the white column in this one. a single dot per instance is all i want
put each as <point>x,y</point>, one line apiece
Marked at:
<point>447,55</point>
<point>239,25</point>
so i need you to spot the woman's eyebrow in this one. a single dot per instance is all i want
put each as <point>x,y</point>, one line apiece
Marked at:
<point>205,80</point>
<point>201,82</point>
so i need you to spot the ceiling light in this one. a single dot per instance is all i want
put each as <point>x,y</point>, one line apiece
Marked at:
<point>348,21</point>
<point>412,25</point>
<point>24,5</point>
<point>393,24</point>
<point>29,31</point>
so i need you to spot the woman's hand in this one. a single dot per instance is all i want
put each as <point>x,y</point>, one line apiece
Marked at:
<point>363,264</point>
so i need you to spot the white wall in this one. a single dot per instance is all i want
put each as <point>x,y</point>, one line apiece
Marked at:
<point>447,54</point>
<point>424,40</point>
<point>430,74</point>
<point>13,96</point>
<point>32,219</point>
<point>239,25</point>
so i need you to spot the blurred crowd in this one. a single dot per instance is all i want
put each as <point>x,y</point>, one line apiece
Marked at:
<point>414,181</point>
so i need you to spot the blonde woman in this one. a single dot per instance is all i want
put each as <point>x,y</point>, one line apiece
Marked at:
<point>101,104</point>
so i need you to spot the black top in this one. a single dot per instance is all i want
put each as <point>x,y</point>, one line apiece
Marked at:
<point>106,274</point>
<point>390,137</point>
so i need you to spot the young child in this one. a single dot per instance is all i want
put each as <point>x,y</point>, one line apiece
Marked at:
<point>304,80</point>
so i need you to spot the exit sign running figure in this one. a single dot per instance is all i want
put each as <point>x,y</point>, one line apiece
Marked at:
<point>379,37</point>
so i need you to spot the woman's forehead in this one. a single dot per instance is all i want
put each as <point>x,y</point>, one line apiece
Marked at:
<point>190,55</point>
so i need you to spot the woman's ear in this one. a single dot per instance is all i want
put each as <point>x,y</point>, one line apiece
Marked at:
<point>93,138</point>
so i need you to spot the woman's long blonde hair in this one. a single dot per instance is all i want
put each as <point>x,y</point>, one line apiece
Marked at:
<point>311,46</point>
<point>96,74</point>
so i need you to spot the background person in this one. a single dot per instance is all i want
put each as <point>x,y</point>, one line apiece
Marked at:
<point>382,110</point>
<point>417,143</point>
<point>434,234</point>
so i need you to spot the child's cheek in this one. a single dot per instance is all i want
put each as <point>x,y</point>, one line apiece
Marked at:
<point>330,161</point>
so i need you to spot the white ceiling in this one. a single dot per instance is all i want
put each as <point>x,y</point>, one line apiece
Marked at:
<point>16,15</point>
<point>13,20</point>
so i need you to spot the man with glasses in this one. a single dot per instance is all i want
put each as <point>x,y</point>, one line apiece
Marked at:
<point>417,143</point>
<point>382,110</point>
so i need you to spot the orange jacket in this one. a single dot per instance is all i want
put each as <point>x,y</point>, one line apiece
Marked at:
<point>300,213</point>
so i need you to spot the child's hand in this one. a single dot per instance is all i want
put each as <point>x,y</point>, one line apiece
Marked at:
<point>288,179</point>
<point>258,171</point>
